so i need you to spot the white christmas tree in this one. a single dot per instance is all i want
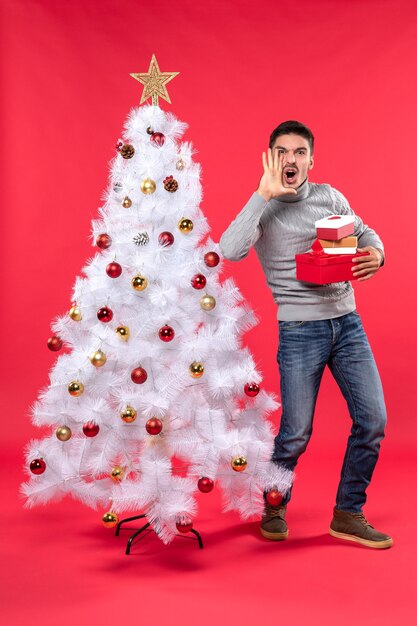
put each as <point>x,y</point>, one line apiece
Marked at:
<point>155,397</point>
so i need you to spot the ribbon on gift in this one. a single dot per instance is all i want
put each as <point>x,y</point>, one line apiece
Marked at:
<point>317,249</point>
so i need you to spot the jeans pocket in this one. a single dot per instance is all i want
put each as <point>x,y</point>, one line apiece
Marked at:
<point>290,324</point>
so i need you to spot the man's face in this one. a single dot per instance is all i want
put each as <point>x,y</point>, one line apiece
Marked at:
<point>297,159</point>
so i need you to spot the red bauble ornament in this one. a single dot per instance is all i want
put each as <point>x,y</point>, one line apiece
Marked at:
<point>205,484</point>
<point>274,497</point>
<point>139,375</point>
<point>198,281</point>
<point>184,527</point>
<point>37,466</point>
<point>113,270</point>
<point>105,314</point>
<point>54,343</point>
<point>91,429</point>
<point>211,259</point>
<point>166,333</point>
<point>166,239</point>
<point>252,389</point>
<point>158,139</point>
<point>154,426</point>
<point>103,241</point>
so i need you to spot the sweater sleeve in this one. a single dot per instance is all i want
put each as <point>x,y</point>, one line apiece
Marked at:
<point>366,235</point>
<point>244,231</point>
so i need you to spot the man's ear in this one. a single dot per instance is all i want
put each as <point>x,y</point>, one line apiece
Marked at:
<point>311,165</point>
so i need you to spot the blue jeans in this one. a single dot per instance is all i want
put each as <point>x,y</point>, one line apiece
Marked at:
<point>305,348</point>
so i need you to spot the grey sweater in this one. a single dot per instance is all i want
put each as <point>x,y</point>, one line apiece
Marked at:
<point>280,229</point>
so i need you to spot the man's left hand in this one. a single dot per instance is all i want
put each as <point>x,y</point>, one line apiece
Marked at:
<point>367,265</point>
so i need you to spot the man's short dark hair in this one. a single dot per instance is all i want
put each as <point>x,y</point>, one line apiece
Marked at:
<point>295,128</point>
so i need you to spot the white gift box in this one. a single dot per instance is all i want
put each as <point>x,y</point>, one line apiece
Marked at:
<point>339,250</point>
<point>335,226</point>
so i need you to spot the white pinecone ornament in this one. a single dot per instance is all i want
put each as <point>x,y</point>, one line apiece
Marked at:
<point>141,239</point>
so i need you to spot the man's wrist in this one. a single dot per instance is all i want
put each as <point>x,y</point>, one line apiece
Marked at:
<point>381,256</point>
<point>264,194</point>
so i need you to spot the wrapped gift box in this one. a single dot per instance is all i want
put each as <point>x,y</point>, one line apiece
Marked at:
<point>321,268</point>
<point>335,227</point>
<point>347,245</point>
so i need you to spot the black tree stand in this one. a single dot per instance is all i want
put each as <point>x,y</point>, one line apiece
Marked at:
<point>137,532</point>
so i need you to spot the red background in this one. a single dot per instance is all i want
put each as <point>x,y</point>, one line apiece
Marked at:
<point>347,70</point>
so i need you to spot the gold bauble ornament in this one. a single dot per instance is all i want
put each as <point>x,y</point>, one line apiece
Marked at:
<point>196,369</point>
<point>75,388</point>
<point>207,303</point>
<point>98,358</point>
<point>139,282</point>
<point>239,463</point>
<point>110,519</point>
<point>180,165</point>
<point>75,313</point>
<point>123,332</point>
<point>147,186</point>
<point>127,202</point>
<point>63,433</point>
<point>185,225</point>
<point>117,473</point>
<point>128,414</point>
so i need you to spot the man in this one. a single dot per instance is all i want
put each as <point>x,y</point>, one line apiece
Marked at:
<point>318,326</point>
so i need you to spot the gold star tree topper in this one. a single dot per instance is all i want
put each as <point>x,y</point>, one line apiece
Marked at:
<point>154,82</point>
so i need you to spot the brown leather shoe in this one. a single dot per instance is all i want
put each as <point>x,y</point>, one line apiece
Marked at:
<point>354,527</point>
<point>273,524</point>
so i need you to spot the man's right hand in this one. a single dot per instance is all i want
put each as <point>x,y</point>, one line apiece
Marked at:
<point>271,185</point>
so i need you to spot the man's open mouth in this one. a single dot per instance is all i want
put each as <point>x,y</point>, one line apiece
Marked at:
<point>290,174</point>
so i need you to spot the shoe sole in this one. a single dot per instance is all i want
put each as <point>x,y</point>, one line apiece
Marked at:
<point>379,545</point>
<point>274,536</point>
